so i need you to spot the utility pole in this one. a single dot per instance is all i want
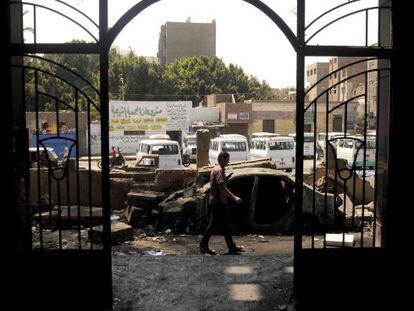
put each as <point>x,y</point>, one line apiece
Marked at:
<point>122,88</point>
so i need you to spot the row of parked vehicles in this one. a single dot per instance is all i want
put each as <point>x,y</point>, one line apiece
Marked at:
<point>279,148</point>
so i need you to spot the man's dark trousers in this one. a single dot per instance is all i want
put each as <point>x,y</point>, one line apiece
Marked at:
<point>219,220</point>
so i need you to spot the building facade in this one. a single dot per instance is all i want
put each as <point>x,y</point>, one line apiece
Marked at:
<point>348,88</point>
<point>279,117</point>
<point>314,73</point>
<point>178,40</point>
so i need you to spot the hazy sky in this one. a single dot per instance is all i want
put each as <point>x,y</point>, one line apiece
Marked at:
<point>245,36</point>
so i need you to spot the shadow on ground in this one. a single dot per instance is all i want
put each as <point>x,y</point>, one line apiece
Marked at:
<point>187,283</point>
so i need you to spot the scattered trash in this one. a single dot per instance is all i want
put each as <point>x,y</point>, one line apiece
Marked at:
<point>152,253</point>
<point>281,307</point>
<point>118,254</point>
<point>260,236</point>
<point>168,231</point>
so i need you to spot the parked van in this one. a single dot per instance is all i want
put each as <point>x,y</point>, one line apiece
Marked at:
<point>350,149</point>
<point>236,145</point>
<point>322,139</point>
<point>159,136</point>
<point>51,155</point>
<point>280,150</point>
<point>168,152</point>
<point>308,143</point>
<point>264,134</point>
<point>190,146</point>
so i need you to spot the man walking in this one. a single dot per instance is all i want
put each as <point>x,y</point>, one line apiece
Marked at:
<point>219,194</point>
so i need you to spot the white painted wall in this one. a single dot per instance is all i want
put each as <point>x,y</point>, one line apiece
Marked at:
<point>205,114</point>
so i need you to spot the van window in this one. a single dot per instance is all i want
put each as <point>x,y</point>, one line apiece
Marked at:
<point>234,146</point>
<point>307,139</point>
<point>145,149</point>
<point>370,144</point>
<point>191,140</point>
<point>164,149</point>
<point>348,143</point>
<point>281,145</point>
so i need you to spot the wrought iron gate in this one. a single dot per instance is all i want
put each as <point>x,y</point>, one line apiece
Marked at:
<point>340,200</point>
<point>58,205</point>
<point>66,195</point>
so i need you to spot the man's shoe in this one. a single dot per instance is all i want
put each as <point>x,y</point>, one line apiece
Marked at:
<point>236,249</point>
<point>206,250</point>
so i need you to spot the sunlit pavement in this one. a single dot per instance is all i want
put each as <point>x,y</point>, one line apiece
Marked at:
<point>186,283</point>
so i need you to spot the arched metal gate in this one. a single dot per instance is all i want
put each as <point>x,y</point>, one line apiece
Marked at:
<point>56,204</point>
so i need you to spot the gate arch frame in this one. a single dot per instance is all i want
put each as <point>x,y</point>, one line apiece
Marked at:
<point>106,37</point>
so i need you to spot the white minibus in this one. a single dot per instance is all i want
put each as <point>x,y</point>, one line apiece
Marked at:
<point>331,135</point>
<point>280,150</point>
<point>168,151</point>
<point>350,150</point>
<point>190,146</point>
<point>236,145</point>
<point>264,134</point>
<point>308,143</point>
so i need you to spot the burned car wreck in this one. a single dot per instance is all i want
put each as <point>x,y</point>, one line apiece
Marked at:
<point>267,204</point>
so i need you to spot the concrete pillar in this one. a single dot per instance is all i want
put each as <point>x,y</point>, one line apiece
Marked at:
<point>203,141</point>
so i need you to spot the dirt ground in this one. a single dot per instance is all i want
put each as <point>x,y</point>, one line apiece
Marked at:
<point>185,244</point>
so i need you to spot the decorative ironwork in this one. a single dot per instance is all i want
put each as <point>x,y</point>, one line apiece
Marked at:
<point>102,46</point>
<point>350,170</point>
<point>35,6</point>
<point>366,10</point>
<point>58,171</point>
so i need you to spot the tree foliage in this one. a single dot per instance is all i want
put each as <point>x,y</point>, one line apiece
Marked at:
<point>134,78</point>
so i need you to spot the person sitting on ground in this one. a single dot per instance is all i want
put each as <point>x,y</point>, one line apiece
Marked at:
<point>219,193</point>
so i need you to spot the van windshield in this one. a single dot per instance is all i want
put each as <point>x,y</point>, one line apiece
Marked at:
<point>191,141</point>
<point>370,144</point>
<point>308,139</point>
<point>164,149</point>
<point>234,146</point>
<point>281,145</point>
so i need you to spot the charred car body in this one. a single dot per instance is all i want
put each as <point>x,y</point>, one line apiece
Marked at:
<point>267,204</point>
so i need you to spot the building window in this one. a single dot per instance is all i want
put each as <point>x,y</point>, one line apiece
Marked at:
<point>243,116</point>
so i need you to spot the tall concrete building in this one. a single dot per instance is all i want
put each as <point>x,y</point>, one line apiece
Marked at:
<point>348,88</point>
<point>179,40</point>
<point>315,72</point>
